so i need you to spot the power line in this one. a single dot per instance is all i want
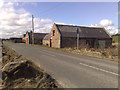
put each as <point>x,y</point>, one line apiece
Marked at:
<point>50,9</point>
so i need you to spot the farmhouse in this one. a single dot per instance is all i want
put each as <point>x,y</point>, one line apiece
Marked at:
<point>66,36</point>
<point>38,37</point>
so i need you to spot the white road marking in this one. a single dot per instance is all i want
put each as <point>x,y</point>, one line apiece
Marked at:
<point>99,69</point>
<point>48,54</point>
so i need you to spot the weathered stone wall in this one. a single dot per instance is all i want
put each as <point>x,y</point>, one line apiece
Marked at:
<point>108,42</point>
<point>61,42</point>
<point>46,42</point>
<point>27,36</point>
<point>56,38</point>
<point>68,42</point>
<point>38,41</point>
<point>72,42</point>
<point>84,42</point>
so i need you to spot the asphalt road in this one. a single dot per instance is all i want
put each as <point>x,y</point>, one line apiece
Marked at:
<point>70,70</point>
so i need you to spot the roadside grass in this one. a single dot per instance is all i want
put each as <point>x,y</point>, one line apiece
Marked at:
<point>115,44</point>
<point>110,53</point>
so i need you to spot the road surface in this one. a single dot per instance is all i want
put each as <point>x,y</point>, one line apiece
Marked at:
<point>70,70</point>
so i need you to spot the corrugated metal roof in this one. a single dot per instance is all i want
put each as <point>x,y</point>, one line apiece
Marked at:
<point>84,32</point>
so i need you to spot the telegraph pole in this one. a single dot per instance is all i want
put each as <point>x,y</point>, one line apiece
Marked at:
<point>32,29</point>
<point>77,38</point>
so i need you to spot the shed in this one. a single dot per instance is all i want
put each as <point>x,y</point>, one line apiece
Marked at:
<point>38,37</point>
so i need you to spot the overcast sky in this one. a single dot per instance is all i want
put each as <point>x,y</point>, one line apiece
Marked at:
<point>15,18</point>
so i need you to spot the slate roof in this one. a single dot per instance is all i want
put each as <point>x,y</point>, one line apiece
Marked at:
<point>84,32</point>
<point>37,35</point>
<point>46,37</point>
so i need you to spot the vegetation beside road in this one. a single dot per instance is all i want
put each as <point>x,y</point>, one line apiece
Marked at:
<point>20,72</point>
<point>110,53</point>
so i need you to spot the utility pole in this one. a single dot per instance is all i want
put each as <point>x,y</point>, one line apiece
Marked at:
<point>77,38</point>
<point>32,29</point>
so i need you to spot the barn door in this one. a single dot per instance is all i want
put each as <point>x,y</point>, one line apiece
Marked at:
<point>50,42</point>
<point>26,40</point>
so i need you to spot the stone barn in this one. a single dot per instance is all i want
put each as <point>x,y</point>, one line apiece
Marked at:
<point>38,37</point>
<point>46,40</point>
<point>16,39</point>
<point>62,36</point>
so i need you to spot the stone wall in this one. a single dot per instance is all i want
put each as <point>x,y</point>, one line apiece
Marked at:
<point>85,42</point>
<point>38,41</point>
<point>68,42</point>
<point>56,38</point>
<point>46,42</point>
<point>108,42</point>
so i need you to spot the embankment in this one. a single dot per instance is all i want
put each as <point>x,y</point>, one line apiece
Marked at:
<point>20,72</point>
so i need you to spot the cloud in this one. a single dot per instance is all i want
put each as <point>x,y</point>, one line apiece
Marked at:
<point>27,3</point>
<point>1,3</point>
<point>43,25</point>
<point>60,23</point>
<point>15,22</point>
<point>108,25</point>
<point>106,22</point>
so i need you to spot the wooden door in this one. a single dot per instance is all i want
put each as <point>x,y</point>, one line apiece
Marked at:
<point>26,40</point>
<point>50,42</point>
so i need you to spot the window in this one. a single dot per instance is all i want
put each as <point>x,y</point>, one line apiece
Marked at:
<point>53,32</point>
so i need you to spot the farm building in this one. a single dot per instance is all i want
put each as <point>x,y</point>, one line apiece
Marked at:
<point>16,39</point>
<point>66,36</point>
<point>38,37</point>
<point>46,40</point>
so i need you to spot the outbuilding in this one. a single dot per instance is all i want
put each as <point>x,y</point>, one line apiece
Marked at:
<point>16,39</point>
<point>62,36</point>
<point>46,40</point>
<point>38,37</point>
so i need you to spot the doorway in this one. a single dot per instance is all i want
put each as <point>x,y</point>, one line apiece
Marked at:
<point>26,40</point>
<point>50,42</point>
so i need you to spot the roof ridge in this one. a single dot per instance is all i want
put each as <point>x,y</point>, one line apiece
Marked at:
<point>40,33</point>
<point>78,26</point>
